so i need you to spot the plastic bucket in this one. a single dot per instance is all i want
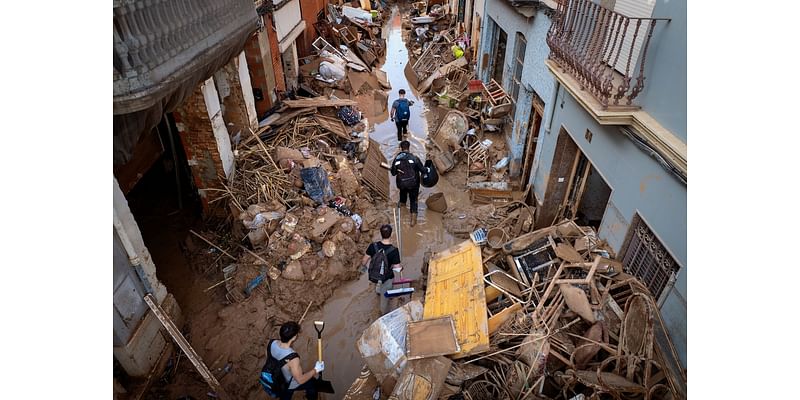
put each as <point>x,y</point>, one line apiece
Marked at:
<point>436,202</point>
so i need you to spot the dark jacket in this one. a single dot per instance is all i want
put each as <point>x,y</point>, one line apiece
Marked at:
<point>418,167</point>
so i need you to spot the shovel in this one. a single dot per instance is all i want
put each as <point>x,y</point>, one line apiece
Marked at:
<point>322,385</point>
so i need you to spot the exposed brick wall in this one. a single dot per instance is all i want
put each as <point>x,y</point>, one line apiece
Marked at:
<point>309,10</point>
<point>277,64</point>
<point>258,73</point>
<point>197,136</point>
<point>229,87</point>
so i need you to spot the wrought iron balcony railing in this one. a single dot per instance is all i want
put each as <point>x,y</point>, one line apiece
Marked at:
<point>604,50</point>
<point>160,41</point>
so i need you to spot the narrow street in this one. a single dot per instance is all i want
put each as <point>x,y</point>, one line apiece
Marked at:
<point>252,160</point>
<point>354,305</point>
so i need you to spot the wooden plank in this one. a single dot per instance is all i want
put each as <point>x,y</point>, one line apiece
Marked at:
<point>319,102</point>
<point>185,346</point>
<point>456,288</point>
<point>500,318</point>
<point>375,177</point>
<point>431,337</point>
<point>333,125</point>
<point>289,115</point>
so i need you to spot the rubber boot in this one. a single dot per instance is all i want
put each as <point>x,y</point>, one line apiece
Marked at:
<point>413,219</point>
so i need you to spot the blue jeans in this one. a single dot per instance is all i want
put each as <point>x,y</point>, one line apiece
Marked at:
<point>310,387</point>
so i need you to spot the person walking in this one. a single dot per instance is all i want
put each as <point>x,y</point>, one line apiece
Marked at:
<point>408,168</point>
<point>292,371</point>
<point>381,260</point>
<point>401,113</point>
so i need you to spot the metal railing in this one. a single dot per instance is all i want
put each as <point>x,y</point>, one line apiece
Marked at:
<point>603,49</point>
<point>155,38</point>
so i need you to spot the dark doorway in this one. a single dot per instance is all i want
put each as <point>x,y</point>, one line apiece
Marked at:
<point>165,204</point>
<point>499,54</point>
<point>592,204</point>
<point>575,189</point>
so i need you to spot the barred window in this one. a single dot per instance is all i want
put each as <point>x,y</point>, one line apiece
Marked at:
<point>647,259</point>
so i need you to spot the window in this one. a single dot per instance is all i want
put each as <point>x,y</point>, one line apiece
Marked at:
<point>647,259</point>
<point>519,60</point>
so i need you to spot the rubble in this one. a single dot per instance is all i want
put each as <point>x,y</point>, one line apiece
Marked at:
<point>562,324</point>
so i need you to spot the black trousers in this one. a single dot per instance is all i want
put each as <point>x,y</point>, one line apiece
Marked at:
<point>309,387</point>
<point>402,129</point>
<point>411,193</point>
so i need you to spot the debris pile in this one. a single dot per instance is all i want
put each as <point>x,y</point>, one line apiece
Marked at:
<point>549,314</point>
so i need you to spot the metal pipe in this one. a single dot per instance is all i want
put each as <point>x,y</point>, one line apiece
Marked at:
<point>174,162</point>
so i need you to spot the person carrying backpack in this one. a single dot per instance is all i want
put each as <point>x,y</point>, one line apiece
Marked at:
<point>282,375</point>
<point>381,260</point>
<point>401,113</point>
<point>408,170</point>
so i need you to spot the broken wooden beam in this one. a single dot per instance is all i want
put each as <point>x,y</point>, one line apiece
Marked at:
<point>319,102</point>
<point>185,346</point>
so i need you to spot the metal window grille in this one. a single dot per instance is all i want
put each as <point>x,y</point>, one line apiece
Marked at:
<point>647,259</point>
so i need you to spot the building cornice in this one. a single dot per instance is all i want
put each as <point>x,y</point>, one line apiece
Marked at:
<point>657,136</point>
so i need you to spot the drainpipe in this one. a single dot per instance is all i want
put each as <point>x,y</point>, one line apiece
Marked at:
<point>547,130</point>
<point>553,109</point>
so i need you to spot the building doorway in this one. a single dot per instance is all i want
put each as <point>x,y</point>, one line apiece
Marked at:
<point>535,122</point>
<point>165,205</point>
<point>575,189</point>
<point>500,38</point>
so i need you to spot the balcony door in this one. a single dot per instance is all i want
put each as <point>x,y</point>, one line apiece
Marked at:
<point>634,9</point>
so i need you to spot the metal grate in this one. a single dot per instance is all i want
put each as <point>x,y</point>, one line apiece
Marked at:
<point>647,259</point>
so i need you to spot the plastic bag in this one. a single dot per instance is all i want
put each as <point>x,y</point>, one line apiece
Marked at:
<point>430,176</point>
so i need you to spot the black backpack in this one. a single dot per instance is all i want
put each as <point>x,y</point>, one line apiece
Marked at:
<point>378,265</point>
<point>271,378</point>
<point>406,173</point>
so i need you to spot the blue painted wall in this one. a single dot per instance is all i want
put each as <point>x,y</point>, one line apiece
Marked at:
<point>535,75</point>
<point>664,93</point>
<point>638,185</point>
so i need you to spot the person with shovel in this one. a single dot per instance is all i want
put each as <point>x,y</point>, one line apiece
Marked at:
<point>292,371</point>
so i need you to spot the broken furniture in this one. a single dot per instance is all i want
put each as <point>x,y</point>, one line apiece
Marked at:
<point>431,337</point>
<point>422,379</point>
<point>383,343</point>
<point>477,158</point>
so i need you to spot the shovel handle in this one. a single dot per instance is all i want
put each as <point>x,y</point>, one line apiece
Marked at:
<point>319,349</point>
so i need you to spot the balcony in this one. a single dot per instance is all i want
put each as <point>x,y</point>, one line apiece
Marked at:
<point>603,50</point>
<point>163,46</point>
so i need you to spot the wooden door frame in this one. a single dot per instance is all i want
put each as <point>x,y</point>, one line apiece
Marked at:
<point>582,186</point>
<point>537,108</point>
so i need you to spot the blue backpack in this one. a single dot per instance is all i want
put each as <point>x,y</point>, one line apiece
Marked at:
<point>403,112</point>
<point>271,378</point>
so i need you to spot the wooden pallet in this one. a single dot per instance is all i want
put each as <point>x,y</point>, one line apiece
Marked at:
<point>373,175</point>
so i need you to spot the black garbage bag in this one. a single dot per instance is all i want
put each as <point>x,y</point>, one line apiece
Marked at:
<point>430,177</point>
